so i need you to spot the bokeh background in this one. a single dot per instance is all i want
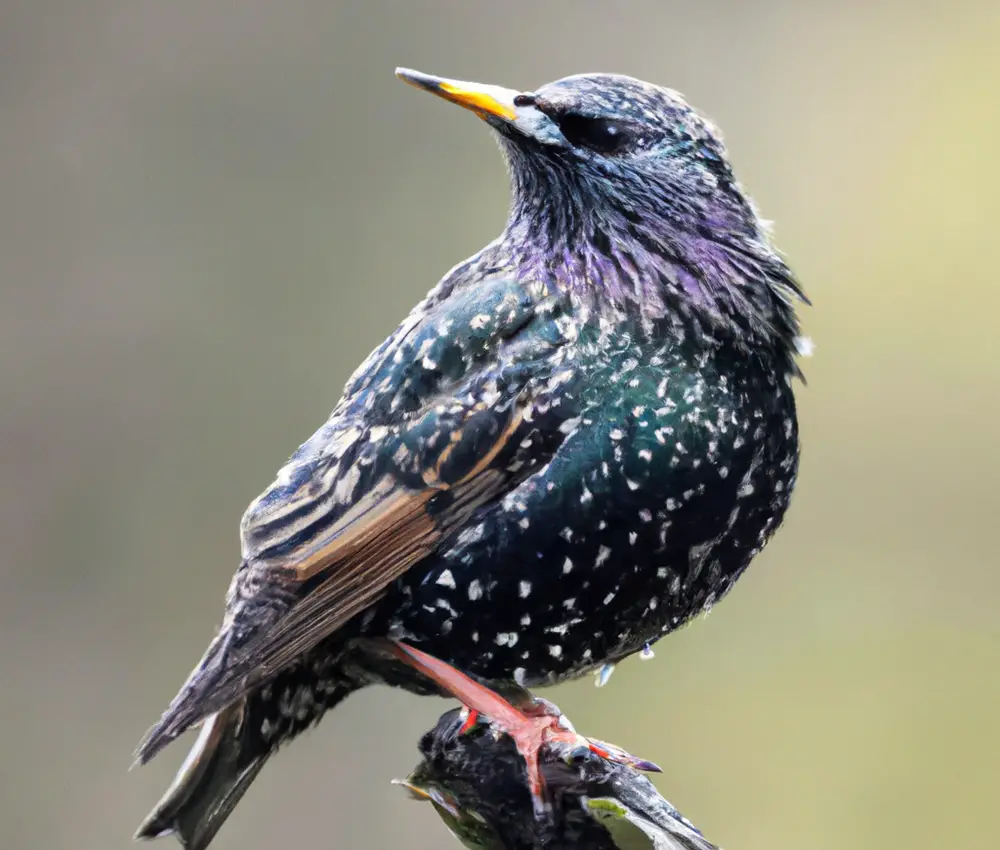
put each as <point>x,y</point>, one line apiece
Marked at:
<point>211,211</point>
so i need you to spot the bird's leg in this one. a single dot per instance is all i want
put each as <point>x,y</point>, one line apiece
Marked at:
<point>528,733</point>
<point>542,723</point>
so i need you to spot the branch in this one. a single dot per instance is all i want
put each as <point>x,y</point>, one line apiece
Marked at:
<point>477,783</point>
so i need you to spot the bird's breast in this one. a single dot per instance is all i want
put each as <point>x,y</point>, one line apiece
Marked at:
<point>672,477</point>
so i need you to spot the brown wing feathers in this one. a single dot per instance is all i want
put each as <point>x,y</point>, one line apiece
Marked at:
<point>382,535</point>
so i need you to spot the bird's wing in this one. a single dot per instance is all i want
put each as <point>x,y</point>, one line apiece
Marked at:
<point>422,438</point>
<point>392,526</point>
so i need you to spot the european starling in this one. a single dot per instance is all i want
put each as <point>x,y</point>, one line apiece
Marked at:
<point>575,443</point>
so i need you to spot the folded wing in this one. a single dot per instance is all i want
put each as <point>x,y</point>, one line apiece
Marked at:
<point>422,438</point>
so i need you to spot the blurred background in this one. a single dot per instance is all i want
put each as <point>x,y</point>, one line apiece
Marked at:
<point>211,211</point>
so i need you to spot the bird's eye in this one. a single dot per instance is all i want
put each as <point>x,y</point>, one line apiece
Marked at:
<point>604,135</point>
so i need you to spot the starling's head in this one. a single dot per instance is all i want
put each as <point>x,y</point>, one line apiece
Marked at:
<point>620,186</point>
<point>606,127</point>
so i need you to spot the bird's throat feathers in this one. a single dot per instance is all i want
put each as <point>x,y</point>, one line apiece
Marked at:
<point>689,247</point>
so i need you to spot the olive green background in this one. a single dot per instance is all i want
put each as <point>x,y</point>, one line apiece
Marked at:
<point>211,211</point>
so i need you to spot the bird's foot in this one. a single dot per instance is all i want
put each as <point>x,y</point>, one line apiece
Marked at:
<point>529,733</point>
<point>532,725</point>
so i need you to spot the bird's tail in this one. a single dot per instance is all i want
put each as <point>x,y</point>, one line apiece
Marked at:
<point>232,747</point>
<point>215,775</point>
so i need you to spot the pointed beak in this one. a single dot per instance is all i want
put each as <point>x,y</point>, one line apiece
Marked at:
<point>417,792</point>
<point>431,794</point>
<point>486,101</point>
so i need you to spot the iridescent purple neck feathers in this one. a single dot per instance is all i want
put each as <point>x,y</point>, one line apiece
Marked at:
<point>623,196</point>
<point>676,237</point>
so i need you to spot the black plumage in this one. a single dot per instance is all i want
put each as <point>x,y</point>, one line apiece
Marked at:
<point>576,442</point>
<point>474,777</point>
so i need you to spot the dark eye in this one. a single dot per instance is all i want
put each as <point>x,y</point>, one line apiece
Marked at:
<point>604,135</point>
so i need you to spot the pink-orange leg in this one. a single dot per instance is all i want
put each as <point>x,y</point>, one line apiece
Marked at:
<point>530,729</point>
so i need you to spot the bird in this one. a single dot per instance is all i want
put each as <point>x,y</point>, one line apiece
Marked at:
<point>574,444</point>
<point>475,781</point>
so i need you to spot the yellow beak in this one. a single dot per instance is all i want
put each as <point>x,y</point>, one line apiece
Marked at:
<point>485,101</point>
